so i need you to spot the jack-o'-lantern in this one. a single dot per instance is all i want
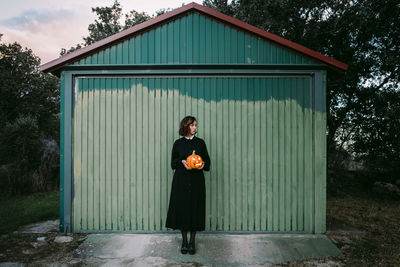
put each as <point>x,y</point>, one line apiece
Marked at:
<point>194,161</point>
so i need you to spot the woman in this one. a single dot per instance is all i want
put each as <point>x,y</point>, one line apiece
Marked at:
<point>187,202</point>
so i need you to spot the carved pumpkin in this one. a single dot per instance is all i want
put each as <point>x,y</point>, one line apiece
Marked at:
<point>194,161</point>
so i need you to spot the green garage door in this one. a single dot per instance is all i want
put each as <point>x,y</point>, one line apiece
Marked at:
<point>267,158</point>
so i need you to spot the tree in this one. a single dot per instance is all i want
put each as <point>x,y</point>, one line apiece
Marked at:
<point>107,24</point>
<point>133,18</point>
<point>162,11</point>
<point>223,6</point>
<point>29,112</point>
<point>365,34</point>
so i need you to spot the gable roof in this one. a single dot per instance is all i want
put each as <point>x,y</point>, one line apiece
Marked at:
<point>152,23</point>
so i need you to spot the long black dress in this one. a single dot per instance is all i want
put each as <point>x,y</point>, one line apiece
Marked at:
<point>187,204</point>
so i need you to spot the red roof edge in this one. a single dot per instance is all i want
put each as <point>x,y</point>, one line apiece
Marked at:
<point>76,55</point>
<point>275,38</point>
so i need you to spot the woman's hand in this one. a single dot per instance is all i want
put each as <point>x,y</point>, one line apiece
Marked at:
<point>185,164</point>
<point>202,166</point>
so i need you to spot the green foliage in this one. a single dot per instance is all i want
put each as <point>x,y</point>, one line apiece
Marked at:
<point>376,134</point>
<point>27,90</point>
<point>34,208</point>
<point>363,102</point>
<point>29,114</point>
<point>162,11</point>
<point>223,6</point>
<point>133,18</point>
<point>72,49</point>
<point>20,140</point>
<point>108,23</point>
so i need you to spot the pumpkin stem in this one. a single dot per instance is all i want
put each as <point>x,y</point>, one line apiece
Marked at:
<point>193,152</point>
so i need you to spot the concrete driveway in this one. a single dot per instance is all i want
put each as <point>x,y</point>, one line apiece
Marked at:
<point>211,249</point>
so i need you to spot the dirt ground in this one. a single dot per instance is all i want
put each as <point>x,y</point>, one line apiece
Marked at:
<point>25,248</point>
<point>365,230</point>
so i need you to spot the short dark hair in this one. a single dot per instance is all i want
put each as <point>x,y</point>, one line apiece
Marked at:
<point>184,125</point>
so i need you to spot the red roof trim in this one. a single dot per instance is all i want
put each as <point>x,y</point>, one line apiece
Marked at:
<point>116,38</point>
<point>72,57</point>
<point>275,38</point>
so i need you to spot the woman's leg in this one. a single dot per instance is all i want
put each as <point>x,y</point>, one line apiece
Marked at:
<point>184,236</point>
<point>191,246</point>
<point>184,248</point>
<point>192,236</point>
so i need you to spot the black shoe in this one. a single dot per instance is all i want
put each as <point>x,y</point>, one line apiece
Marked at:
<point>184,247</point>
<point>191,248</point>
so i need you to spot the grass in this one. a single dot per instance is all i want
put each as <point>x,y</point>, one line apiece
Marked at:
<point>379,220</point>
<point>23,210</point>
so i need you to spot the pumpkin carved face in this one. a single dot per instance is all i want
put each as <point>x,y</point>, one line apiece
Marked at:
<point>194,161</point>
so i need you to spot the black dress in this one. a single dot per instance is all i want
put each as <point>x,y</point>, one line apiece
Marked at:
<point>187,203</point>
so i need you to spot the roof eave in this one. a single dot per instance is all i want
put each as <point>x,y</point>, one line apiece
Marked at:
<point>71,57</point>
<point>106,42</point>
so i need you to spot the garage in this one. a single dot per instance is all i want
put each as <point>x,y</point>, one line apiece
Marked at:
<point>260,104</point>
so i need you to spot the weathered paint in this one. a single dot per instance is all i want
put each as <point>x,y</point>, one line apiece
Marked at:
<point>62,140</point>
<point>194,39</point>
<point>260,108</point>
<point>263,135</point>
<point>320,159</point>
<point>68,189</point>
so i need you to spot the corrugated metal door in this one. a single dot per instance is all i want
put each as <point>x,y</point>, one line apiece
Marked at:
<point>259,133</point>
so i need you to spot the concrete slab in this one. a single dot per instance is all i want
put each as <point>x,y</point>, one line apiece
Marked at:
<point>211,249</point>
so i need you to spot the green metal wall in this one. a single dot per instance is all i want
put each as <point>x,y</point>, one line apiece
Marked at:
<point>194,39</point>
<point>265,136</point>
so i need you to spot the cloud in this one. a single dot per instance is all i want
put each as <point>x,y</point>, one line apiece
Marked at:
<point>46,26</point>
<point>33,17</point>
<point>46,31</point>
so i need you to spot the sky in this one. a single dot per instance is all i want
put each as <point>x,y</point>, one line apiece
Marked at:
<point>46,26</point>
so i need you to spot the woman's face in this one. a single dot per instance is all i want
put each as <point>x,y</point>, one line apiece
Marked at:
<point>192,128</point>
